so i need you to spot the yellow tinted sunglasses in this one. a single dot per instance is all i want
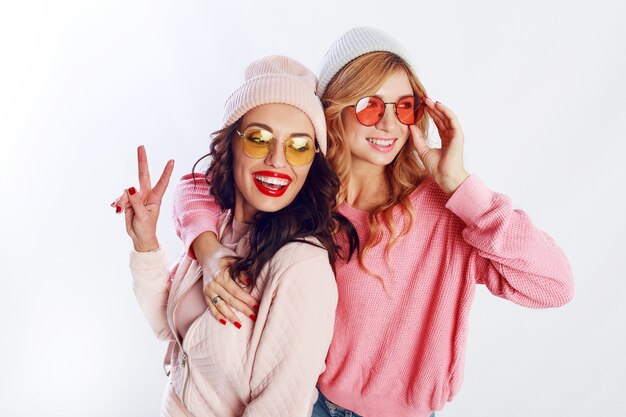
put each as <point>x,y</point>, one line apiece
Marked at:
<point>259,143</point>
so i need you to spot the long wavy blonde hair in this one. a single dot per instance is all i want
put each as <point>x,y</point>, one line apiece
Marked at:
<point>363,77</point>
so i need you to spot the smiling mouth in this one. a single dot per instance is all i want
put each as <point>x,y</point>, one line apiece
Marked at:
<point>382,145</point>
<point>272,184</point>
<point>381,142</point>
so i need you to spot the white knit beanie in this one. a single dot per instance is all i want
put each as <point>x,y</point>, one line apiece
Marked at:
<point>351,45</point>
<point>278,79</point>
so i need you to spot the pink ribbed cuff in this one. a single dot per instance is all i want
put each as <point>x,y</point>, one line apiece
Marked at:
<point>470,200</point>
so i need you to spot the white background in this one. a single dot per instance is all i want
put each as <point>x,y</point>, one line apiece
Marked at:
<point>539,88</point>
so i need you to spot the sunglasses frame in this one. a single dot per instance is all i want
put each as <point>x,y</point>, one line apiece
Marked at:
<point>418,99</point>
<point>243,137</point>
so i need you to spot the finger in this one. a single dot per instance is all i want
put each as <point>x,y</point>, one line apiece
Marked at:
<point>122,203</point>
<point>118,209</point>
<point>243,281</point>
<point>221,305</point>
<point>451,118</point>
<point>237,297</point>
<point>142,167</point>
<point>129,214</point>
<point>228,312</point>
<point>115,202</point>
<point>236,288</point>
<point>136,203</point>
<point>453,140</point>
<point>431,108</point>
<point>435,113</point>
<point>439,123</point>
<point>216,313</point>
<point>164,180</point>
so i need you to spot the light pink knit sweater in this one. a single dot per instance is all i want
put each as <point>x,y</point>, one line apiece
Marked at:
<point>268,367</point>
<point>398,350</point>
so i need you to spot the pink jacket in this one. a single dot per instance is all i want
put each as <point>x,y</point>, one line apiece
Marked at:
<point>270,366</point>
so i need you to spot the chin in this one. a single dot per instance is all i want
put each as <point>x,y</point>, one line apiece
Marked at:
<point>381,160</point>
<point>274,204</point>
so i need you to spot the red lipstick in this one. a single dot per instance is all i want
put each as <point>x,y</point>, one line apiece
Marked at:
<point>270,183</point>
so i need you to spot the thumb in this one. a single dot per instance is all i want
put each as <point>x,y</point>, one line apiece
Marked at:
<point>129,215</point>
<point>136,203</point>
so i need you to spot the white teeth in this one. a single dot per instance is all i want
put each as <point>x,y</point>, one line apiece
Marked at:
<point>381,142</point>
<point>272,180</point>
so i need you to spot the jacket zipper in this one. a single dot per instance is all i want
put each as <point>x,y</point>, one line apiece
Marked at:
<point>184,357</point>
<point>185,376</point>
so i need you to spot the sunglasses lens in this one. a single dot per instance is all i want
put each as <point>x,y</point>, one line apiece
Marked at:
<point>407,110</point>
<point>299,151</point>
<point>257,143</point>
<point>369,110</point>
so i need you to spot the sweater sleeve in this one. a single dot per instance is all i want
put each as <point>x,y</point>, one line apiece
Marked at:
<point>151,286</point>
<point>195,211</point>
<point>293,347</point>
<point>513,258</point>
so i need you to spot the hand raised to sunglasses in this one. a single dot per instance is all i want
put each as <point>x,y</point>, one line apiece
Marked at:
<point>444,164</point>
<point>142,214</point>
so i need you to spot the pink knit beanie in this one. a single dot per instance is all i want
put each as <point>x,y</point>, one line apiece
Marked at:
<point>278,79</point>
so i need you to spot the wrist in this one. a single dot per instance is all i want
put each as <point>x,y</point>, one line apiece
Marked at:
<point>151,245</point>
<point>449,184</point>
<point>204,246</point>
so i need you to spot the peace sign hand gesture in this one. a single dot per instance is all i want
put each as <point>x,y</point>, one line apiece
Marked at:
<point>143,206</point>
<point>444,164</point>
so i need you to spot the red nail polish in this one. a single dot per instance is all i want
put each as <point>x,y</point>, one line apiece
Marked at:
<point>253,317</point>
<point>256,307</point>
<point>118,209</point>
<point>223,322</point>
<point>238,325</point>
<point>132,191</point>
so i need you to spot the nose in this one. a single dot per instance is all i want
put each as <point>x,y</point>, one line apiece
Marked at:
<point>276,157</point>
<point>388,122</point>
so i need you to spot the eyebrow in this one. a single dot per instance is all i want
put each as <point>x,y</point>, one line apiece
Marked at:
<point>399,97</point>
<point>269,129</point>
